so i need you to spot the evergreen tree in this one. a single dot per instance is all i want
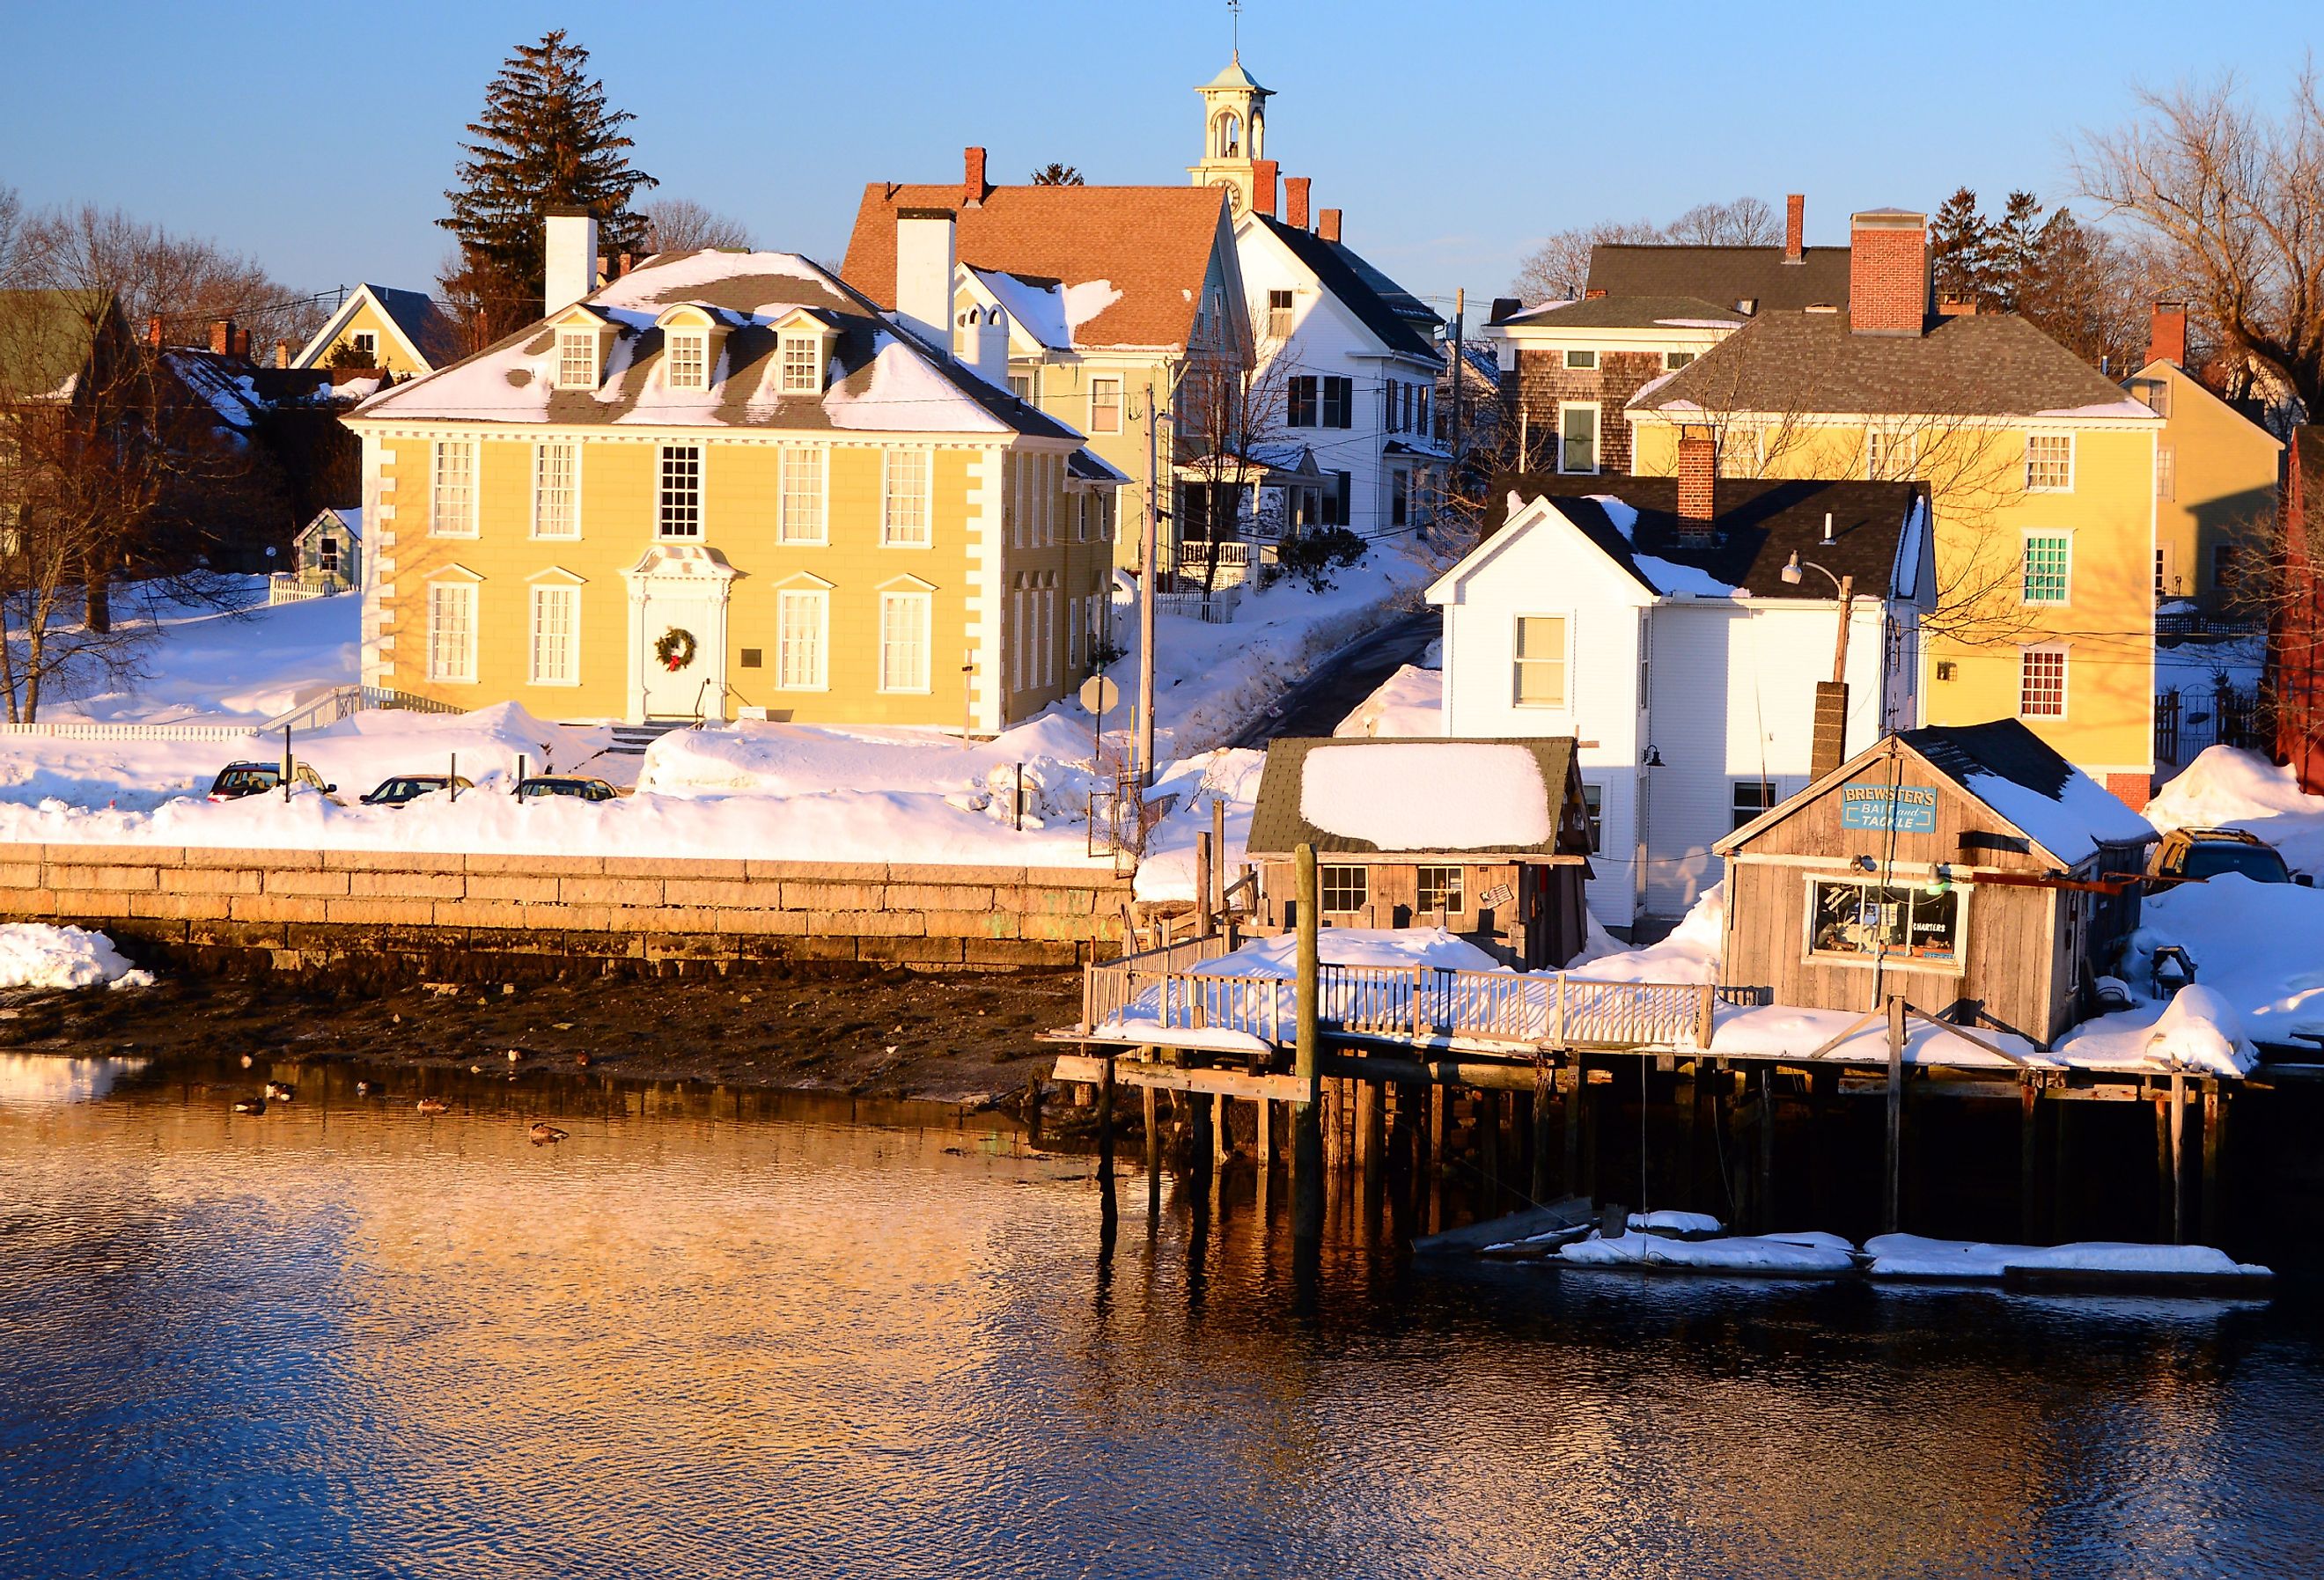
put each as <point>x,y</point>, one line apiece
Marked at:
<point>1054,175</point>
<point>1958,244</point>
<point>546,140</point>
<point>2016,252</point>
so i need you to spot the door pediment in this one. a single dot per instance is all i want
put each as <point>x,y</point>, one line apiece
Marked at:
<point>680,561</point>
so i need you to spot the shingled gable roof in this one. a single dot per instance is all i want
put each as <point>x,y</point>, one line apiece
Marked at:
<point>1760,523</point>
<point>1628,312</point>
<point>2009,769</point>
<point>1978,365</point>
<point>1724,275</point>
<point>1277,827</point>
<point>1152,244</point>
<point>1336,269</point>
<point>884,378</point>
<point>426,327</point>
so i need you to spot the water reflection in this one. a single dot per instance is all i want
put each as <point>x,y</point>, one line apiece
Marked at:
<point>36,1079</point>
<point>719,1335</point>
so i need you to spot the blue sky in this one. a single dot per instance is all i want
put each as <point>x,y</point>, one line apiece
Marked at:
<point>319,138</point>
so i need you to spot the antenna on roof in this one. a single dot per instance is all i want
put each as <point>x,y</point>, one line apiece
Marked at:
<point>1827,526</point>
<point>1234,11</point>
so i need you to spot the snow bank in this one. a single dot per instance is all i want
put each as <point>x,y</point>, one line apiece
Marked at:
<point>1410,702</point>
<point>1402,947</point>
<point>1740,1253</point>
<point>240,665</point>
<point>1427,795</point>
<point>1690,954</point>
<point>1914,1256</point>
<point>1791,1032</point>
<point>34,954</point>
<point>1230,775</point>
<point>1669,1221</point>
<point>2228,787</point>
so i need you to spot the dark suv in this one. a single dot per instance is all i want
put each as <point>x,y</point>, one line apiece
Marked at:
<point>542,786</point>
<point>410,787</point>
<point>2189,855</point>
<point>237,779</point>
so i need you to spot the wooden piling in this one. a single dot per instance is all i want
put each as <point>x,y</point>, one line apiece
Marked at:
<point>1306,1138</point>
<point>1575,1087</point>
<point>2215,1115</point>
<point>2029,1157</point>
<point>1105,1121</point>
<point>1221,1129</point>
<point>1264,1113</point>
<point>1437,1098</point>
<point>1367,1130</point>
<point>2062,1194</point>
<point>2165,1177</point>
<point>1489,1150</point>
<point>2177,1158</point>
<point>1767,1193</point>
<point>1199,1129</point>
<point>1153,1131</point>
<point>1203,914</point>
<point>1541,1093</point>
<point>1891,1201</point>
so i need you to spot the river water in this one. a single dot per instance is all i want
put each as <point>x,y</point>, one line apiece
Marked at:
<point>719,1335</point>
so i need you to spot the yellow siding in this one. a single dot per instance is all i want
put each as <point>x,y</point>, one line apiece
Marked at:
<point>2219,490</point>
<point>1983,513</point>
<point>392,355</point>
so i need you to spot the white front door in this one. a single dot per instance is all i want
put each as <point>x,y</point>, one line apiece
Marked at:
<point>690,690</point>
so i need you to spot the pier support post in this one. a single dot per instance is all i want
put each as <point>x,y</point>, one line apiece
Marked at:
<point>2214,1115</point>
<point>1199,1122</point>
<point>1264,1111</point>
<point>2029,1157</point>
<point>1105,1123</point>
<point>1891,1196</point>
<point>2062,1194</point>
<point>1540,1092</point>
<point>2165,1176</point>
<point>1367,1095</point>
<point>1767,1191</point>
<point>1222,1130</point>
<point>1436,1101</point>
<point>1488,1150</point>
<point>2177,1158</point>
<point>1306,1127</point>
<point>1575,1087</point>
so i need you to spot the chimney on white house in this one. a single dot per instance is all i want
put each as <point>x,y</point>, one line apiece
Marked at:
<point>1265,175</point>
<point>1327,225</point>
<point>569,248</point>
<point>1295,192</point>
<point>924,270</point>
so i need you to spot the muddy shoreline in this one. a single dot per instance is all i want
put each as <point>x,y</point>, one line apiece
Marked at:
<point>951,1038</point>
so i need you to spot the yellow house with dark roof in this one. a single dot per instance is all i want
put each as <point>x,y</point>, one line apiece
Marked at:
<point>726,484</point>
<point>2041,473</point>
<point>404,332</point>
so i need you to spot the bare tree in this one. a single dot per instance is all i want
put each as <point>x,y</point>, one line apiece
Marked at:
<point>186,281</point>
<point>1230,411</point>
<point>680,224</point>
<point>1559,268</point>
<point>2237,196</point>
<point>1746,222</point>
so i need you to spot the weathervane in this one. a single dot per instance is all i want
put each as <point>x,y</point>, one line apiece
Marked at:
<point>1234,10</point>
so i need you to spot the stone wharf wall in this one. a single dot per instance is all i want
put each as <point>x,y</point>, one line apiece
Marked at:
<point>393,912</point>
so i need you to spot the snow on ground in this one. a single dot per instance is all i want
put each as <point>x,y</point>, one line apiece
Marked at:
<point>241,666</point>
<point>1410,702</point>
<point>1230,775</point>
<point>2194,668</point>
<point>1751,1253</point>
<point>1914,1256</point>
<point>2228,787</point>
<point>34,954</point>
<point>1671,1221</point>
<point>1401,948</point>
<point>1691,953</point>
<point>1427,795</point>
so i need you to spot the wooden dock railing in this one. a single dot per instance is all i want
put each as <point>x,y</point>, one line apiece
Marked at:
<point>1161,989</point>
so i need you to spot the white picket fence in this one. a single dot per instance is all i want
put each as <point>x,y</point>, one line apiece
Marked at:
<point>328,709</point>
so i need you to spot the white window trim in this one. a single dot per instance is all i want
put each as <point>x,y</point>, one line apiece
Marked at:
<point>355,343</point>
<point>436,527</point>
<point>532,631</point>
<point>1809,955</point>
<point>2024,546</point>
<point>1565,703</point>
<point>699,341</point>
<point>926,604</point>
<point>1911,443</point>
<point>783,384</point>
<point>1670,367</point>
<point>783,534</point>
<point>596,358</point>
<point>476,612</point>
<point>574,535</point>
<point>2065,680</point>
<point>822,597</point>
<point>2073,460</point>
<point>1120,405</point>
<point>1567,363</point>
<point>1597,437</point>
<point>928,537</point>
<point>701,491</point>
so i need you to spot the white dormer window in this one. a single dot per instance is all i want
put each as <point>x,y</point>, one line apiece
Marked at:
<point>576,359</point>
<point>689,361</point>
<point>802,365</point>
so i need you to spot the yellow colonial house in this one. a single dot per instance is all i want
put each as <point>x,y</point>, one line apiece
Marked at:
<point>2041,473</point>
<point>2215,479</point>
<point>404,332</point>
<point>726,484</point>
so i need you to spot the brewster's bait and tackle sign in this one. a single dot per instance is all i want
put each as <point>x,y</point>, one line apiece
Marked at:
<point>1908,809</point>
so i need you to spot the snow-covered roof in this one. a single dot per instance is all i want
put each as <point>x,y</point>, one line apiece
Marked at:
<point>881,377</point>
<point>1412,796</point>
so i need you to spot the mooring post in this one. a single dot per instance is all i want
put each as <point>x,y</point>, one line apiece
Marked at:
<point>1489,1149</point>
<point>1540,1092</point>
<point>2215,1115</point>
<point>1766,1190</point>
<point>2029,1157</point>
<point>1306,1134</point>
<point>1891,1199</point>
<point>2177,1158</point>
<point>1574,1085</point>
<point>2165,1175</point>
<point>1105,1122</point>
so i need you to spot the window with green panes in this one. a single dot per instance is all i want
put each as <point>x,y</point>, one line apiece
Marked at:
<point>2047,558</point>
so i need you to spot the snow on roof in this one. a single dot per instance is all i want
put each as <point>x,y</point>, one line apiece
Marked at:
<point>1087,301</point>
<point>905,393</point>
<point>2125,408</point>
<point>2071,824</point>
<point>1427,795</point>
<point>1037,305</point>
<point>1621,513</point>
<point>1674,580</point>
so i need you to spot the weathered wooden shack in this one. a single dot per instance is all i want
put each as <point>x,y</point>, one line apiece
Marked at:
<point>1486,839</point>
<point>1969,868</point>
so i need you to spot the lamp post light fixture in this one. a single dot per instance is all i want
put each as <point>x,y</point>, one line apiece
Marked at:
<point>1794,572</point>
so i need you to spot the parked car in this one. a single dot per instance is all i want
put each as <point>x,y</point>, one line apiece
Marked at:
<point>542,785</point>
<point>410,787</point>
<point>2189,855</point>
<point>237,779</point>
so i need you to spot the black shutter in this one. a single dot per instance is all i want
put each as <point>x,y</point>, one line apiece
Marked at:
<point>1345,390</point>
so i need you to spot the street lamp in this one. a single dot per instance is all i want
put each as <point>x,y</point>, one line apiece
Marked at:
<point>1845,586</point>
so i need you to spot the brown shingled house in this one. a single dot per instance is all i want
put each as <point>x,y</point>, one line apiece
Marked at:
<point>1104,294</point>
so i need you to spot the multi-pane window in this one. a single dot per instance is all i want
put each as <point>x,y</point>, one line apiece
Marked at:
<point>2166,472</point>
<point>1073,633</point>
<point>2048,567</point>
<point>1541,661</point>
<point>1279,315</point>
<point>802,365</point>
<point>678,505</point>
<point>557,489</point>
<point>1439,889</point>
<point>555,636</point>
<point>1889,457</point>
<point>904,620</point>
<point>1593,812</point>
<point>1321,403</point>
<point>452,490</point>
<point>327,555</point>
<point>2048,463</point>
<point>1343,888</point>
<point>1900,923</point>
<point>1581,359</point>
<point>1020,621</point>
<point>689,361</point>
<point>2041,682</point>
<point>1105,405</point>
<point>576,359</point>
<point>1577,432</point>
<point>452,630</point>
<point>904,500</point>
<point>1048,636</point>
<point>1747,799</point>
<point>366,346</point>
<point>1674,360</point>
<point>1020,385</point>
<point>802,626</point>
<point>2154,393</point>
<point>1339,403</point>
<point>801,513</point>
<point>2162,574</point>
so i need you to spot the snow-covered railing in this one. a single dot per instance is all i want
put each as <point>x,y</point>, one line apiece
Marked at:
<point>1217,608</point>
<point>92,730</point>
<point>290,586</point>
<point>1109,987</point>
<point>344,701</point>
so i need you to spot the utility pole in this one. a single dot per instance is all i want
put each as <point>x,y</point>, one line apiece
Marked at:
<point>1149,568</point>
<point>1460,368</point>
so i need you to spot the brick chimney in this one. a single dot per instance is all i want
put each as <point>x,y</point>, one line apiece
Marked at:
<point>974,188</point>
<point>154,331</point>
<point>1698,483</point>
<point>1263,177</point>
<point>2166,333</point>
<point>1327,225</point>
<point>242,344</point>
<point>1592,292</point>
<point>1295,199</point>
<point>283,354</point>
<point>1796,229</point>
<point>1954,304</point>
<point>1888,272</point>
<point>222,337</point>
